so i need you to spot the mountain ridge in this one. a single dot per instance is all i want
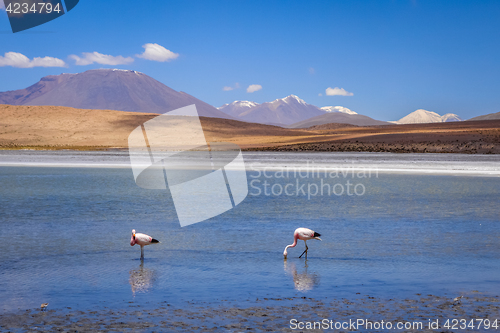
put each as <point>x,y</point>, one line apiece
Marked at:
<point>293,111</point>
<point>129,90</point>
<point>107,89</point>
<point>281,111</point>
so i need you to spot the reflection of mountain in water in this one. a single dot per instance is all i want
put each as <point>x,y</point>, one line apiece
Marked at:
<point>303,281</point>
<point>141,279</point>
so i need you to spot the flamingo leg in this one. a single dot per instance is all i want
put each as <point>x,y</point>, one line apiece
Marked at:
<point>305,251</point>
<point>142,252</point>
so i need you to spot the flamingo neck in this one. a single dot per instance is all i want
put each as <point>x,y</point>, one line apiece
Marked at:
<point>295,237</point>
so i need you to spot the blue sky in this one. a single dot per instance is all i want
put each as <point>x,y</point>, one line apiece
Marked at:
<point>393,56</point>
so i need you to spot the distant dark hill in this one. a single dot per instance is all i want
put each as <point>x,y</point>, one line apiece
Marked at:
<point>491,116</point>
<point>331,126</point>
<point>107,89</point>
<point>337,117</point>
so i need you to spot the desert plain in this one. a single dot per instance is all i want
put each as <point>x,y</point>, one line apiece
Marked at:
<point>55,127</point>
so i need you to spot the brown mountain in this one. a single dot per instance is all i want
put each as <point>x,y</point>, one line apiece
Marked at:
<point>107,89</point>
<point>490,116</point>
<point>339,118</point>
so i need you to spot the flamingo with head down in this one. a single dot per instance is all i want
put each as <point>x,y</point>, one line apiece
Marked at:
<point>303,234</point>
<point>142,240</point>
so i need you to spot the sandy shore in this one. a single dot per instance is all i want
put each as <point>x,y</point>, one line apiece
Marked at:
<point>53,127</point>
<point>271,315</point>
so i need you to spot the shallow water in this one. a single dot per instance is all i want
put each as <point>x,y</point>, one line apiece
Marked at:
<point>66,235</point>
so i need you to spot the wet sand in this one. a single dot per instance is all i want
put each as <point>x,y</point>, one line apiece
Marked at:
<point>271,315</point>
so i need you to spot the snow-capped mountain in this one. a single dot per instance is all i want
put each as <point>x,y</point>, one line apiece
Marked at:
<point>293,111</point>
<point>237,107</point>
<point>422,116</point>
<point>292,99</point>
<point>338,109</point>
<point>242,104</point>
<point>282,111</point>
<point>451,117</point>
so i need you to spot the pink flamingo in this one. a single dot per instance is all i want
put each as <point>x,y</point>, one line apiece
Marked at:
<point>304,234</point>
<point>142,240</point>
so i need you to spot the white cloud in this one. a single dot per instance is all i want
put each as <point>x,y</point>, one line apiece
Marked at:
<point>312,70</point>
<point>253,88</point>
<point>2,6</point>
<point>337,92</point>
<point>227,88</point>
<point>99,58</point>
<point>155,52</point>
<point>19,60</point>
<point>320,94</point>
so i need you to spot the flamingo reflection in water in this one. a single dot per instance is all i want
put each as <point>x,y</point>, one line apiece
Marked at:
<point>141,279</point>
<point>303,281</point>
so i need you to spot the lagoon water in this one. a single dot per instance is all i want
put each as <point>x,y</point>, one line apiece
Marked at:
<point>424,224</point>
